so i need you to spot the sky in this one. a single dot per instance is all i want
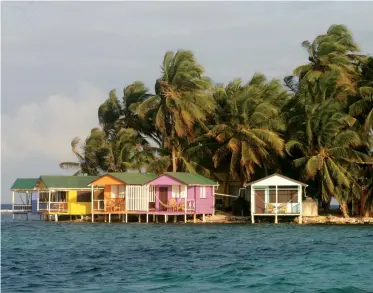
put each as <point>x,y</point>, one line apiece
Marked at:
<point>59,60</point>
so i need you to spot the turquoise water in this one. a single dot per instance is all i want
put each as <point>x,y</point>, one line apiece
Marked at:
<point>42,256</point>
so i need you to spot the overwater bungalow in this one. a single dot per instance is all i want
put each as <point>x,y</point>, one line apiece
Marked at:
<point>172,194</point>
<point>276,195</point>
<point>23,190</point>
<point>123,193</point>
<point>65,195</point>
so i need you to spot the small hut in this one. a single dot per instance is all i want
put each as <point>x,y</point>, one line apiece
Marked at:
<point>276,195</point>
<point>23,189</point>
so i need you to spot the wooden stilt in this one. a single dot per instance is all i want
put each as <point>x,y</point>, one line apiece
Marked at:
<point>147,218</point>
<point>203,218</point>
<point>156,218</point>
<point>175,218</point>
<point>185,218</point>
<point>109,218</point>
<point>195,218</point>
<point>93,218</point>
<point>126,218</point>
<point>300,219</point>
<point>123,218</point>
<point>139,218</point>
<point>276,219</point>
<point>56,218</point>
<point>252,219</point>
<point>105,218</point>
<point>153,218</point>
<point>165,218</point>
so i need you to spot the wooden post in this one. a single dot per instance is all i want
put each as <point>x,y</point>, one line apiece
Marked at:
<point>175,218</point>
<point>300,200</point>
<point>126,218</point>
<point>71,217</point>
<point>139,216</point>
<point>49,201</point>
<point>213,200</point>
<point>203,218</point>
<point>276,216</point>
<point>123,218</point>
<point>185,202</point>
<point>185,219</point>
<point>252,202</point>
<point>92,214</point>
<point>105,218</point>
<point>109,218</point>
<point>165,218</point>
<point>153,218</point>
<point>147,218</point>
<point>13,204</point>
<point>56,218</point>
<point>157,219</point>
<point>195,218</point>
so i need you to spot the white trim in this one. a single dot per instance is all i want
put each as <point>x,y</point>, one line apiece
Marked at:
<point>62,189</point>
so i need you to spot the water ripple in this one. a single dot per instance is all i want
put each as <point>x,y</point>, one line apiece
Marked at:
<point>48,257</point>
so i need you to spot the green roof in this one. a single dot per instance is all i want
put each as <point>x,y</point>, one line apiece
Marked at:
<point>134,178</point>
<point>190,179</point>
<point>24,184</point>
<point>67,181</point>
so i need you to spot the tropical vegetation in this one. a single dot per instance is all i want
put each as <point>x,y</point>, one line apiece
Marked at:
<point>315,126</point>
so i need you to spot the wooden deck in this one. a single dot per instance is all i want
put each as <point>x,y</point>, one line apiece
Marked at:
<point>171,213</point>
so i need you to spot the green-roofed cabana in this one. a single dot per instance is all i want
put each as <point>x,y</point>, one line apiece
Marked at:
<point>65,195</point>
<point>122,193</point>
<point>23,188</point>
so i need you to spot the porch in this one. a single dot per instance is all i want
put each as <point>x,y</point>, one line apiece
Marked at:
<point>52,202</point>
<point>275,196</point>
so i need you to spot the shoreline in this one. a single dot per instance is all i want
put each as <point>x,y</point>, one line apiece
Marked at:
<point>230,219</point>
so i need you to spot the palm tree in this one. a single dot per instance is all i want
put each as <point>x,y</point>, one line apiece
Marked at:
<point>247,125</point>
<point>335,52</point>
<point>81,165</point>
<point>181,101</point>
<point>361,105</point>
<point>325,147</point>
<point>114,115</point>
<point>126,150</point>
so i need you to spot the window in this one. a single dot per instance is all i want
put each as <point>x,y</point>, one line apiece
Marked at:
<point>122,191</point>
<point>202,192</point>
<point>83,196</point>
<point>114,191</point>
<point>179,191</point>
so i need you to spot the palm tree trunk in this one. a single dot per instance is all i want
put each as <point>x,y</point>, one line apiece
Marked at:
<point>174,163</point>
<point>344,208</point>
<point>326,205</point>
<point>364,210</point>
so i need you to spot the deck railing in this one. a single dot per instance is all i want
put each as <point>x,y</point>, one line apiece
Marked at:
<point>191,205</point>
<point>22,207</point>
<point>62,207</point>
<point>282,208</point>
<point>115,205</point>
<point>99,205</point>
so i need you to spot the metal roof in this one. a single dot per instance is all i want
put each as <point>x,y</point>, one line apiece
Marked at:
<point>70,182</point>
<point>24,184</point>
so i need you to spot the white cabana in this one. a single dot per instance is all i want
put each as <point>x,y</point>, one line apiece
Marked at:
<point>276,195</point>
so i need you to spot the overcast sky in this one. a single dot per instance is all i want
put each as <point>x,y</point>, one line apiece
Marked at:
<point>61,59</point>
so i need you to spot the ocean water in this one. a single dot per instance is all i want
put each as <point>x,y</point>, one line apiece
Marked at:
<point>40,256</point>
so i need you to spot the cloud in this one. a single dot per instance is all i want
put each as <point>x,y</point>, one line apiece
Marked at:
<point>46,128</point>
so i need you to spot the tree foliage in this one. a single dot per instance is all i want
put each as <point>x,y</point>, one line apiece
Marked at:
<point>316,126</point>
